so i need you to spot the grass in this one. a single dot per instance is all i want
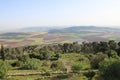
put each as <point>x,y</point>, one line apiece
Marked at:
<point>22,71</point>
<point>71,59</point>
<point>70,76</point>
<point>53,77</point>
<point>30,77</point>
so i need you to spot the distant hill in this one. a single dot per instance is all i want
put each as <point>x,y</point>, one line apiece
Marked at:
<point>13,34</point>
<point>38,28</point>
<point>83,29</point>
<point>62,29</point>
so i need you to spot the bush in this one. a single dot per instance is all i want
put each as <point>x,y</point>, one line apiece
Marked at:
<point>17,64</point>
<point>23,58</point>
<point>113,54</point>
<point>56,57</point>
<point>46,63</point>
<point>110,69</point>
<point>76,67</point>
<point>82,65</point>
<point>63,77</point>
<point>35,55</point>
<point>46,74</point>
<point>4,67</point>
<point>47,54</point>
<point>57,65</point>
<point>32,64</point>
<point>97,59</point>
<point>89,74</point>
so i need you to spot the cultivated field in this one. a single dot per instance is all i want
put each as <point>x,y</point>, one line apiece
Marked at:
<point>42,37</point>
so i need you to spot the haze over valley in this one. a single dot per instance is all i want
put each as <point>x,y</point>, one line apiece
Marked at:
<point>49,35</point>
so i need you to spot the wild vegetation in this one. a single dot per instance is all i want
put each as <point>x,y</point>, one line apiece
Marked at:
<point>67,61</point>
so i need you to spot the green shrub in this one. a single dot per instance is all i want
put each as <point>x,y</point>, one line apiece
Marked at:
<point>46,63</point>
<point>110,69</point>
<point>32,64</point>
<point>46,54</point>
<point>57,65</point>
<point>89,74</point>
<point>36,55</point>
<point>113,54</point>
<point>97,59</point>
<point>63,77</point>
<point>23,58</point>
<point>47,74</point>
<point>4,67</point>
<point>17,64</point>
<point>76,67</point>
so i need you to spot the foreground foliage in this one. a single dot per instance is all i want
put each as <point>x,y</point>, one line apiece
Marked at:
<point>110,69</point>
<point>67,57</point>
<point>4,67</point>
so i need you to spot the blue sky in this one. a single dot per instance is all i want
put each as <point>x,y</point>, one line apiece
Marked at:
<point>24,13</point>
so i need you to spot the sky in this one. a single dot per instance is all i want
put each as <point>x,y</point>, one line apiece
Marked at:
<point>25,13</point>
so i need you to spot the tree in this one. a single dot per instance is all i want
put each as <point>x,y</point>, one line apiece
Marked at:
<point>118,51</point>
<point>103,46</point>
<point>47,54</point>
<point>66,47</point>
<point>87,47</point>
<point>2,53</point>
<point>97,59</point>
<point>113,54</point>
<point>110,69</point>
<point>113,45</point>
<point>95,47</point>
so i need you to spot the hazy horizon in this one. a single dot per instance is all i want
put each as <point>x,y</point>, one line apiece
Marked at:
<point>26,13</point>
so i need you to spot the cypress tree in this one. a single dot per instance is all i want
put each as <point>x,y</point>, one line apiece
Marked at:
<point>2,52</point>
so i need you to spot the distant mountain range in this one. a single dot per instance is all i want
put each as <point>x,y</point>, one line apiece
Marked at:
<point>68,29</point>
<point>29,29</point>
<point>83,28</point>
